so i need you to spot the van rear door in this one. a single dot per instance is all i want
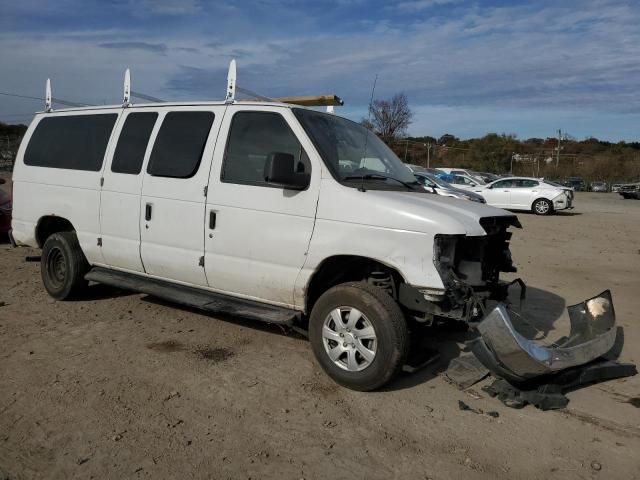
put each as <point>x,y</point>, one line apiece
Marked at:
<point>172,206</point>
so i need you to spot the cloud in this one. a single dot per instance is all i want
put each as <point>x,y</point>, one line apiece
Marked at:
<point>149,47</point>
<point>169,7</point>
<point>419,5</point>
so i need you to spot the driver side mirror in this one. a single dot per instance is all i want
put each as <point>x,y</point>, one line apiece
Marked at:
<point>280,170</point>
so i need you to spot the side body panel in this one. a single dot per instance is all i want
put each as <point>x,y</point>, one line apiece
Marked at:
<point>120,207</point>
<point>497,197</point>
<point>350,222</point>
<point>522,197</point>
<point>71,194</point>
<point>172,240</point>
<point>261,235</point>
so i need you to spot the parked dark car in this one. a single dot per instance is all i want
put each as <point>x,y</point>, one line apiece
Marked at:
<point>630,190</point>
<point>6,206</point>
<point>576,183</point>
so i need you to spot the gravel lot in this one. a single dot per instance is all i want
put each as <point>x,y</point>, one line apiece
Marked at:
<point>121,385</point>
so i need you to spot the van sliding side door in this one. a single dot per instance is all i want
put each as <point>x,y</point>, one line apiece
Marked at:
<point>172,205</point>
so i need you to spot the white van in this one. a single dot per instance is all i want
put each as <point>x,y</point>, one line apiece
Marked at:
<point>264,210</point>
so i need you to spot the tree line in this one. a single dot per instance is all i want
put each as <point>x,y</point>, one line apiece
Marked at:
<point>590,158</point>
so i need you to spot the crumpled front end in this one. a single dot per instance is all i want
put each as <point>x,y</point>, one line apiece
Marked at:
<point>562,201</point>
<point>508,354</point>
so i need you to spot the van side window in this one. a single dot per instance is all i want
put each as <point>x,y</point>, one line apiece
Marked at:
<point>253,136</point>
<point>180,143</point>
<point>132,143</point>
<point>76,142</point>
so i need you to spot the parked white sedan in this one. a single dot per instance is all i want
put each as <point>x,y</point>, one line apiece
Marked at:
<point>525,193</point>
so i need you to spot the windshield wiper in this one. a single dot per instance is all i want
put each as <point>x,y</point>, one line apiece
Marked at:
<point>378,176</point>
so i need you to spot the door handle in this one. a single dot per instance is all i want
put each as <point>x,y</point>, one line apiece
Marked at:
<point>212,220</point>
<point>147,212</point>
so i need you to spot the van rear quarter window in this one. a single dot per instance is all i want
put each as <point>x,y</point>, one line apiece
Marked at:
<point>180,143</point>
<point>76,142</point>
<point>132,143</point>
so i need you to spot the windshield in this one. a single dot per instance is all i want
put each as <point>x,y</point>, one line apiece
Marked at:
<point>351,152</point>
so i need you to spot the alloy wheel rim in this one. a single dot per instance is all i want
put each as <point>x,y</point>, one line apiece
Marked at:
<point>349,339</point>
<point>542,207</point>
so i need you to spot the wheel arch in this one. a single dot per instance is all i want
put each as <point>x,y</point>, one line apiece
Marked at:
<point>338,269</point>
<point>48,225</point>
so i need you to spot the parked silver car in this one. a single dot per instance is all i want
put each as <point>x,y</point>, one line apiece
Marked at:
<point>440,187</point>
<point>599,187</point>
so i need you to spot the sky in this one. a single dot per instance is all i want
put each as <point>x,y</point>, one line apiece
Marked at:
<point>467,67</point>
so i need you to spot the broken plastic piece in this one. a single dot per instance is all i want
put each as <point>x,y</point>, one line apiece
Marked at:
<point>508,354</point>
<point>548,393</point>
<point>465,371</point>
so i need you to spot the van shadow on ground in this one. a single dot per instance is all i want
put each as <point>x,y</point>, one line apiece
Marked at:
<point>545,314</point>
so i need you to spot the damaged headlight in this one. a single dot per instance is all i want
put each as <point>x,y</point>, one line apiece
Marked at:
<point>444,250</point>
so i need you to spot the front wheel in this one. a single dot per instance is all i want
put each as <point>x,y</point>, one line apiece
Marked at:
<point>358,335</point>
<point>542,206</point>
<point>63,266</point>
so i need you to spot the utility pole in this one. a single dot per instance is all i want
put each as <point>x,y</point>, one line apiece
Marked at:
<point>558,152</point>
<point>428,154</point>
<point>406,147</point>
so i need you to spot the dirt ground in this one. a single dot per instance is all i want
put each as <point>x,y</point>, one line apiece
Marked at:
<point>121,385</point>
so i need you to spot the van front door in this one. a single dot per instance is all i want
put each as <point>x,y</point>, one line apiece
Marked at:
<point>121,189</point>
<point>172,205</point>
<point>258,234</point>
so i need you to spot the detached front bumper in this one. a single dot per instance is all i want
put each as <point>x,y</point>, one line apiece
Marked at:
<point>508,354</point>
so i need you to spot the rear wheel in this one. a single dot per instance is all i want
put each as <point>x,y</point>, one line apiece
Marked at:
<point>358,335</point>
<point>542,206</point>
<point>63,266</point>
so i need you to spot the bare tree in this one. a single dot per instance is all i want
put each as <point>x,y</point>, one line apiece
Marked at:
<point>390,118</point>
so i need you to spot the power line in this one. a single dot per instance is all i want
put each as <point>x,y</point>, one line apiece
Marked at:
<point>15,114</point>
<point>144,96</point>
<point>20,96</point>
<point>56,100</point>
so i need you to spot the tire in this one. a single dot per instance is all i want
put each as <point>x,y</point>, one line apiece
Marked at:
<point>63,266</point>
<point>542,206</point>
<point>379,312</point>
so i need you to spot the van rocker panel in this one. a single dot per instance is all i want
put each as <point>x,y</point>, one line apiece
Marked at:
<point>193,297</point>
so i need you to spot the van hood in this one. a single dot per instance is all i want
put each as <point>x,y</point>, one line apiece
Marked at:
<point>413,211</point>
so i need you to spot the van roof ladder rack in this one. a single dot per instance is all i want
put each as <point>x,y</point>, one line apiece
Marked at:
<point>328,101</point>
<point>126,96</point>
<point>47,97</point>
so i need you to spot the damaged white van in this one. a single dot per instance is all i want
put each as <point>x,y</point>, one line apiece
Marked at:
<point>255,209</point>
